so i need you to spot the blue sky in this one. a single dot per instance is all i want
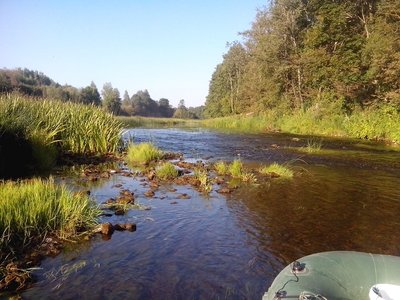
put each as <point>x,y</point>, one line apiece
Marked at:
<point>168,47</point>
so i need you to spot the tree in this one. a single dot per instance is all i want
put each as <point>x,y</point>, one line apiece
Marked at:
<point>90,95</point>
<point>111,98</point>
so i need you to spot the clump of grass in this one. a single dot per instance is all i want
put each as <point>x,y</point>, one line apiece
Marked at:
<point>32,209</point>
<point>221,168</point>
<point>278,169</point>
<point>205,183</point>
<point>313,145</point>
<point>236,168</point>
<point>143,153</point>
<point>167,171</point>
<point>248,177</point>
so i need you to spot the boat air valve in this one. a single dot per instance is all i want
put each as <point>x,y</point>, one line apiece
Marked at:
<point>298,267</point>
<point>280,294</point>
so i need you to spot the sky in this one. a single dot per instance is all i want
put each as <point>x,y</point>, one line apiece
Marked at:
<point>168,47</point>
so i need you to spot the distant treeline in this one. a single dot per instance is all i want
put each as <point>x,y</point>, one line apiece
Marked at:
<point>312,54</point>
<point>36,84</point>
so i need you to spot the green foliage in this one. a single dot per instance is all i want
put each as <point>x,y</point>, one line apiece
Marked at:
<point>221,168</point>
<point>167,171</point>
<point>143,153</point>
<point>32,209</point>
<point>278,169</point>
<point>236,168</point>
<point>157,122</point>
<point>310,62</point>
<point>111,99</point>
<point>205,183</point>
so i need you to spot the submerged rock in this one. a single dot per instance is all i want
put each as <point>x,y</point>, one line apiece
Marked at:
<point>224,190</point>
<point>149,193</point>
<point>107,228</point>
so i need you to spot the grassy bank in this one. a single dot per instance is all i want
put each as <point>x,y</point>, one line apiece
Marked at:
<point>157,122</point>
<point>32,209</point>
<point>34,132</point>
<point>375,124</point>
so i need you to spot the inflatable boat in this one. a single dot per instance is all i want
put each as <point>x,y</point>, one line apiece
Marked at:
<point>338,275</point>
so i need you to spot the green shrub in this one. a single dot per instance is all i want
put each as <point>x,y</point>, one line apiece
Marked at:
<point>143,153</point>
<point>167,171</point>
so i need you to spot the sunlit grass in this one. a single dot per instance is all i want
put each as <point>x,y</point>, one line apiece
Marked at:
<point>143,153</point>
<point>221,168</point>
<point>236,168</point>
<point>35,208</point>
<point>313,145</point>
<point>205,183</point>
<point>167,171</point>
<point>277,169</point>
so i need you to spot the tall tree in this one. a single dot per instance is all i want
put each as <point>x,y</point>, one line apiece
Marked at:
<point>90,95</point>
<point>111,98</point>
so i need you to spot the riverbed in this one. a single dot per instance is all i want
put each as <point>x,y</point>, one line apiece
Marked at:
<point>343,197</point>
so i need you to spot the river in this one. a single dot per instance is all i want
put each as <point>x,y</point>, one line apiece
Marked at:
<point>346,197</point>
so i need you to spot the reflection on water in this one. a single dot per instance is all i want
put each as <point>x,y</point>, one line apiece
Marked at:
<point>231,247</point>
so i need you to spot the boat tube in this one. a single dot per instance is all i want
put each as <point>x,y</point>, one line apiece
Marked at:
<point>338,275</point>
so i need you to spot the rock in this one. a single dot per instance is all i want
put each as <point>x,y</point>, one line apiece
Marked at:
<point>219,180</point>
<point>125,200</point>
<point>224,190</point>
<point>151,175</point>
<point>107,228</point>
<point>149,193</point>
<point>110,201</point>
<point>174,202</point>
<point>172,190</point>
<point>184,196</point>
<point>126,193</point>
<point>119,212</point>
<point>130,227</point>
<point>154,184</point>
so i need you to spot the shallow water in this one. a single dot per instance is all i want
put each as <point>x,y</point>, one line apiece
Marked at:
<point>232,247</point>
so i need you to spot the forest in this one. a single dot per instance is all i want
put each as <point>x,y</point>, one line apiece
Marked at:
<point>36,84</point>
<point>329,57</point>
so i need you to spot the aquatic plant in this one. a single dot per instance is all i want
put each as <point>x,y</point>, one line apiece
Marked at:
<point>205,183</point>
<point>167,171</point>
<point>143,153</point>
<point>221,168</point>
<point>32,209</point>
<point>313,145</point>
<point>236,168</point>
<point>275,168</point>
<point>49,128</point>
<point>248,177</point>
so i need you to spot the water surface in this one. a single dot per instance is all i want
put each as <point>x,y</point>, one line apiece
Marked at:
<point>232,247</point>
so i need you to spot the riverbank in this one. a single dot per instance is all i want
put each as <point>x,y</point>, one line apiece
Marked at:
<point>379,124</point>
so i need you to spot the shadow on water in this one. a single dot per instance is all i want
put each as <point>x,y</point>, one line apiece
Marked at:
<point>231,247</point>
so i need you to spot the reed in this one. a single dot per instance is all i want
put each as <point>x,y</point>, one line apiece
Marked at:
<point>51,128</point>
<point>314,145</point>
<point>143,153</point>
<point>32,209</point>
<point>202,177</point>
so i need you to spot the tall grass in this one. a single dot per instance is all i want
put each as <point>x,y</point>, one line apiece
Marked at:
<point>143,153</point>
<point>51,128</point>
<point>326,119</point>
<point>236,168</point>
<point>34,208</point>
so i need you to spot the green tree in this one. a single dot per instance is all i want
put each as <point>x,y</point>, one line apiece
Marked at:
<point>111,98</point>
<point>90,95</point>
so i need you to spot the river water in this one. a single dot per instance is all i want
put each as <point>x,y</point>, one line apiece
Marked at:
<point>345,197</point>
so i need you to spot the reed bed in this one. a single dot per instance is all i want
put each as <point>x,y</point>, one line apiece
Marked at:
<point>51,128</point>
<point>167,171</point>
<point>281,170</point>
<point>32,209</point>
